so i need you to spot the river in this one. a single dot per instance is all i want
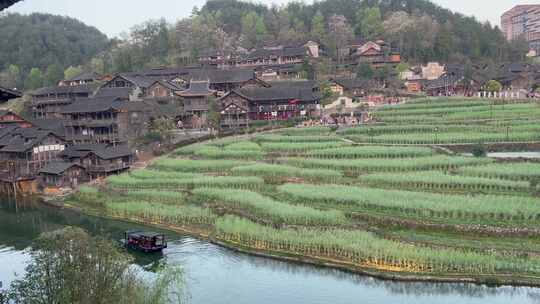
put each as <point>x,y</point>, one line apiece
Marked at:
<point>218,275</point>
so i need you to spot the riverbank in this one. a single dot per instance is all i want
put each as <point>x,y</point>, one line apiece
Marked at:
<point>218,275</point>
<point>379,273</point>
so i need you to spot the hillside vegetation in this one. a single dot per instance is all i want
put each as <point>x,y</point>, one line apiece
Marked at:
<point>46,43</point>
<point>421,30</point>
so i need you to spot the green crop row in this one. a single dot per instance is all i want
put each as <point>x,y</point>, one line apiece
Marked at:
<point>300,147</point>
<point>478,209</point>
<point>434,105</point>
<point>162,213</point>
<point>513,171</point>
<point>268,209</point>
<point>189,165</point>
<point>280,171</point>
<point>295,139</point>
<point>440,181</point>
<point>153,174</point>
<point>371,152</point>
<point>360,166</point>
<point>368,250</point>
<point>432,129</point>
<point>131,183</point>
<point>306,131</point>
<point>214,152</point>
<point>156,196</point>
<point>447,138</point>
<point>243,146</point>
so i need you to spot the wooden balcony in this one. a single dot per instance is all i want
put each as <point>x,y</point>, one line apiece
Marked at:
<point>11,177</point>
<point>91,123</point>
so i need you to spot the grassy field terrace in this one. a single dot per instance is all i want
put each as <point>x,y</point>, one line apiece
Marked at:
<point>451,121</point>
<point>378,198</point>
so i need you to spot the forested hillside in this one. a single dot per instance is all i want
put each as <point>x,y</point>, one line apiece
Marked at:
<point>421,30</point>
<point>37,48</point>
<point>42,46</point>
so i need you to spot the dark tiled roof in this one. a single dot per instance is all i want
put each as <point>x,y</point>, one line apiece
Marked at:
<point>7,3</point>
<point>7,130</point>
<point>167,73</point>
<point>55,125</point>
<point>142,81</point>
<point>9,93</point>
<point>81,150</point>
<point>133,106</point>
<point>120,93</point>
<point>445,80</point>
<point>102,151</point>
<point>79,89</point>
<point>197,88</point>
<point>57,167</point>
<point>279,94</point>
<point>312,84</point>
<point>113,152</point>
<point>22,139</point>
<point>169,85</point>
<point>223,76</point>
<point>91,105</point>
<point>515,67</point>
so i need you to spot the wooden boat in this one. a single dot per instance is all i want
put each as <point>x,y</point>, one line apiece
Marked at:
<point>144,241</point>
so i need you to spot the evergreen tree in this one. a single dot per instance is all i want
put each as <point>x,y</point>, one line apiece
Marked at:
<point>444,43</point>
<point>369,23</point>
<point>163,40</point>
<point>318,30</point>
<point>34,79</point>
<point>260,30</point>
<point>384,73</point>
<point>365,71</point>
<point>11,77</point>
<point>72,72</point>
<point>53,75</point>
<point>213,113</point>
<point>253,30</point>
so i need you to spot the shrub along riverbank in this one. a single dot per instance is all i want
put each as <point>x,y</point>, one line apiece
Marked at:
<point>311,194</point>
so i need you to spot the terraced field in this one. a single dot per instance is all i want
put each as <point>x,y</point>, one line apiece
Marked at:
<point>450,121</point>
<point>351,199</point>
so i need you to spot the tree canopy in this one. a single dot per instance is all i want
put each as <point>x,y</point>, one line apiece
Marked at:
<point>70,266</point>
<point>46,42</point>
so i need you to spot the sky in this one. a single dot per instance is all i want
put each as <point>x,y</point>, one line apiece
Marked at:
<point>116,16</point>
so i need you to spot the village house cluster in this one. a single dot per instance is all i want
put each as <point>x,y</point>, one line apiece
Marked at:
<point>517,79</point>
<point>82,128</point>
